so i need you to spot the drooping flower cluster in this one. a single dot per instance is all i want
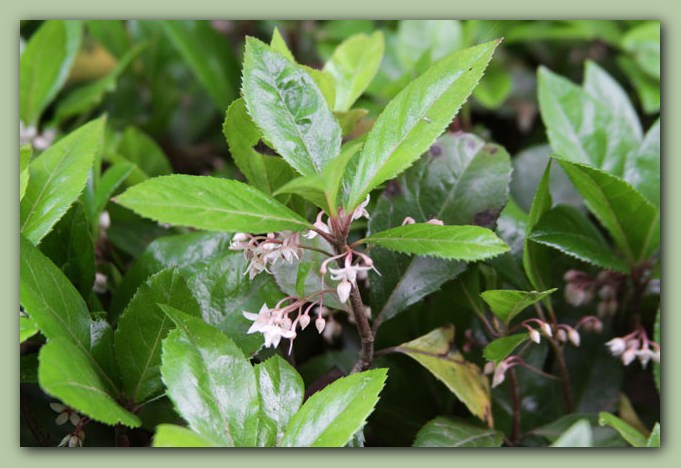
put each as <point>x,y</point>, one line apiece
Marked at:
<point>581,288</point>
<point>635,345</point>
<point>264,251</point>
<point>348,274</point>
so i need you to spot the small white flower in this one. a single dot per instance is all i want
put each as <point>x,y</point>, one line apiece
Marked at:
<point>239,241</point>
<point>644,356</point>
<point>408,220</point>
<point>628,356</point>
<point>573,336</point>
<point>320,225</point>
<point>272,326</point>
<point>435,221</point>
<point>304,321</point>
<point>100,284</point>
<point>546,328</point>
<point>499,374</point>
<point>561,335</point>
<point>616,346</point>
<point>361,211</point>
<point>489,368</point>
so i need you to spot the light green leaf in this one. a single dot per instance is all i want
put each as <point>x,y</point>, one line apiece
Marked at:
<point>112,34</point>
<point>170,435</point>
<point>568,230</point>
<point>464,379</point>
<point>643,167</point>
<point>27,328</point>
<point>353,65</point>
<point>494,87</point>
<point>654,439</point>
<point>506,303</point>
<point>601,86</point>
<point>469,243</point>
<point>57,177</point>
<point>209,57</point>
<point>331,417</point>
<point>45,65</point>
<point>460,180</point>
<point>413,120</point>
<point>25,154</point>
<point>281,392</point>
<point>54,304</point>
<point>83,99</point>
<point>647,87</point>
<point>266,173</point>
<point>66,373</point>
<point>631,220</point>
<point>142,328</point>
<point>210,203</point>
<point>429,39</point>
<point>631,435</point>
<point>210,382</point>
<point>113,178</point>
<point>577,435</point>
<point>289,109</point>
<point>447,432</point>
<point>277,43</point>
<point>499,349</point>
<point>643,42</point>
<point>581,127</point>
<point>535,256</point>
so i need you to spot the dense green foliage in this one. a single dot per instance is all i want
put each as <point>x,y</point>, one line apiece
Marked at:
<point>340,233</point>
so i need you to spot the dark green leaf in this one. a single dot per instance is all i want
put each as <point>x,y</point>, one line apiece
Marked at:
<point>66,372</point>
<point>144,152</point>
<point>45,65</point>
<point>499,349</point>
<point>112,34</point>
<point>469,243</point>
<point>142,328</point>
<point>210,381</point>
<point>353,65</point>
<point>567,229</point>
<point>332,416</point>
<point>209,57</point>
<point>210,203</point>
<point>447,432</point>
<point>535,256</point>
<point>463,378</point>
<point>57,177</point>
<point>281,392</point>
<point>289,109</point>
<point>631,220</point>
<point>416,117</point>
<point>506,303</point>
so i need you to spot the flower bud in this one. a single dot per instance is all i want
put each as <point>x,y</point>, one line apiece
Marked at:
<point>561,335</point>
<point>435,221</point>
<point>546,328</point>
<point>499,374</point>
<point>616,346</point>
<point>534,335</point>
<point>343,290</point>
<point>571,275</point>
<point>489,368</point>
<point>320,323</point>
<point>304,321</point>
<point>628,356</point>
<point>573,336</point>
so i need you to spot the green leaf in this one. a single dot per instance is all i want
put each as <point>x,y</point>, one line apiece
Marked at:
<point>208,56</point>
<point>568,230</point>
<point>432,39</point>
<point>581,127</point>
<point>447,432</point>
<point>464,379</point>
<point>631,435</point>
<point>278,44</point>
<point>142,328</point>
<point>113,178</point>
<point>27,328</point>
<point>289,109</point>
<point>460,180</point>
<point>535,257</point>
<point>643,42</point>
<point>45,65</point>
<point>112,34</point>
<point>25,154</point>
<point>601,86</point>
<point>494,87</point>
<point>413,120</point>
<point>506,303</point>
<point>654,439</point>
<point>469,243</point>
<point>577,435</point>
<point>57,177</point>
<point>647,87</point>
<point>281,392</point>
<point>353,65</point>
<point>54,304</point>
<point>85,98</point>
<point>170,435</point>
<point>266,173</point>
<point>331,417</point>
<point>210,382</point>
<point>70,246</point>
<point>66,373</point>
<point>499,349</point>
<point>631,220</point>
<point>642,170</point>
<point>139,149</point>
<point>210,203</point>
